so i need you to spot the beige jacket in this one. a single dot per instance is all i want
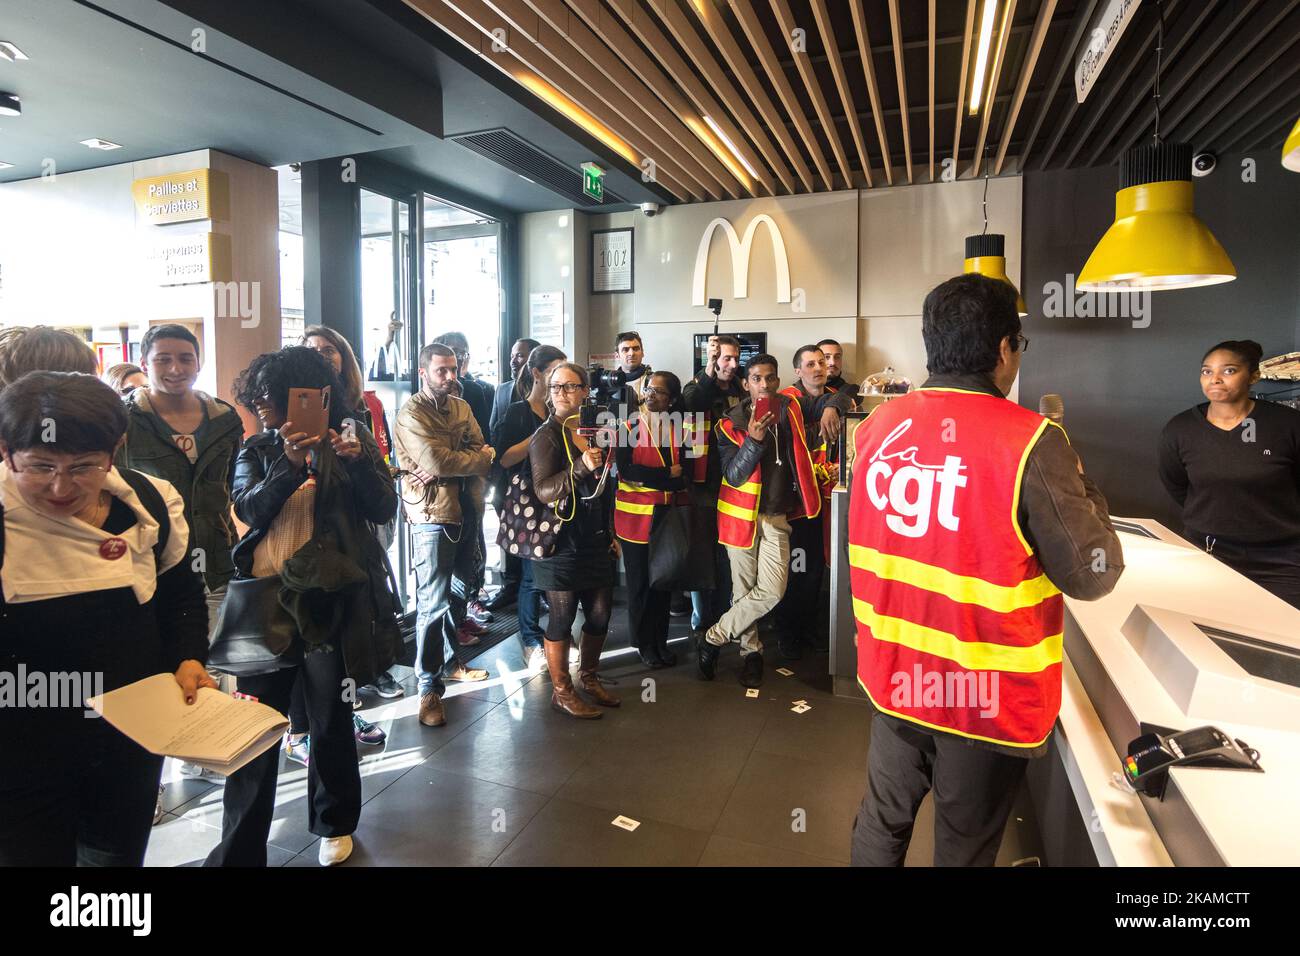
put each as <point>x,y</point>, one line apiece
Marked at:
<point>440,438</point>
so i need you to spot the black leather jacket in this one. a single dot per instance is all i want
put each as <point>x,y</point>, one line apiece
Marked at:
<point>357,492</point>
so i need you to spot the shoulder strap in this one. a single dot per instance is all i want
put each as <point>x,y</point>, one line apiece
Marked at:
<point>152,500</point>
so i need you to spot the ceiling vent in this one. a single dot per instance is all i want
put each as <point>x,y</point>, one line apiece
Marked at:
<point>516,154</point>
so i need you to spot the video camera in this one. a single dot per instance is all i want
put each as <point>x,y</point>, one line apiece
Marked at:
<point>606,393</point>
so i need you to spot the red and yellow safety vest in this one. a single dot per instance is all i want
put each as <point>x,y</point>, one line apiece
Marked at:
<point>958,627</point>
<point>820,460</point>
<point>696,438</point>
<point>738,505</point>
<point>634,504</point>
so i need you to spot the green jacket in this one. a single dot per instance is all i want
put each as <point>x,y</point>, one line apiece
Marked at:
<point>205,485</point>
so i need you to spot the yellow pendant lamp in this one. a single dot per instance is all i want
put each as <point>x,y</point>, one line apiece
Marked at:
<point>1156,241</point>
<point>987,255</point>
<point>1291,149</point>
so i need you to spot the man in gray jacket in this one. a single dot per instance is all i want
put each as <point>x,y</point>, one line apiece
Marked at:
<point>440,447</point>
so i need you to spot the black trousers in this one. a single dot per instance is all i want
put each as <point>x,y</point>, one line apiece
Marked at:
<point>974,789</point>
<point>647,609</point>
<point>798,615</point>
<point>94,810</point>
<point>333,778</point>
<point>1275,568</point>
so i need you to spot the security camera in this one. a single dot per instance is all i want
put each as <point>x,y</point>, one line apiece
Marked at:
<point>651,208</point>
<point>1203,164</point>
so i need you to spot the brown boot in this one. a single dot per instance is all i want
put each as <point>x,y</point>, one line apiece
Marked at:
<point>432,713</point>
<point>563,697</point>
<point>591,647</point>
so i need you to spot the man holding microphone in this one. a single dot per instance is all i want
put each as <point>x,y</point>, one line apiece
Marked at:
<point>969,517</point>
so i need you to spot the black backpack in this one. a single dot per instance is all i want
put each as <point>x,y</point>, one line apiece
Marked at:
<point>149,496</point>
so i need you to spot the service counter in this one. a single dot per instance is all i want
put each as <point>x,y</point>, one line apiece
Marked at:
<point>1181,642</point>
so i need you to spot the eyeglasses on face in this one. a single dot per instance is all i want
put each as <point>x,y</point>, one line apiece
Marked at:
<point>651,390</point>
<point>568,388</point>
<point>40,473</point>
<point>1022,343</point>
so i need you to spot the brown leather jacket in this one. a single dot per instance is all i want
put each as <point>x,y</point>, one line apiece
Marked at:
<point>443,440</point>
<point>556,483</point>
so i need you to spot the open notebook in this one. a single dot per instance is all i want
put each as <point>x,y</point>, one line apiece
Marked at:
<point>217,731</point>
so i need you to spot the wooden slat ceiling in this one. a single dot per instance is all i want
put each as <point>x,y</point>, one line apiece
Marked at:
<point>817,95</point>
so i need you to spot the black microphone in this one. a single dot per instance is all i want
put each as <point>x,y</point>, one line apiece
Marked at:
<point>1052,408</point>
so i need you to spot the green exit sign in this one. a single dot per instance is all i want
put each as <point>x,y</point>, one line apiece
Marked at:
<point>593,182</point>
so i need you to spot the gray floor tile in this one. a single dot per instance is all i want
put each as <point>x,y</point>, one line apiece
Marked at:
<point>431,818</point>
<point>178,790</point>
<point>533,750</point>
<point>186,841</point>
<point>773,787</point>
<point>833,731</point>
<point>662,773</point>
<point>726,851</point>
<point>570,834</point>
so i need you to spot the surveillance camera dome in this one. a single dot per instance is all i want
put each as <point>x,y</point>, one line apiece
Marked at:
<point>650,208</point>
<point>1203,164</point>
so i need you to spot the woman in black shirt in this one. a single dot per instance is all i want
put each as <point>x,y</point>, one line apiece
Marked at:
<point>649,476</point>
<point>514,429</point>
<point>1233,464</point>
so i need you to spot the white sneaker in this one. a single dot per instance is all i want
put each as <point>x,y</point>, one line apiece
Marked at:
<point>535,659</point>
<point>334,850</point>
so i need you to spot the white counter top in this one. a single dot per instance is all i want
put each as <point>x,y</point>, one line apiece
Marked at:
<point>1251,818</point>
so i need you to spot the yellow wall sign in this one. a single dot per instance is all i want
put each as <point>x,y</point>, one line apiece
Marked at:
<point>182,197</point>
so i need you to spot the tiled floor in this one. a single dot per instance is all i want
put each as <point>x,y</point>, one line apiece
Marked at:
<point>715,778</point>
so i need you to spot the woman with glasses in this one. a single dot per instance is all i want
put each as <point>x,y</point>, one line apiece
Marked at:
<point>570,474</point>
<point>98,593</point>
<point>306,501</point>
<point>649,477</point>
<point>511,438</point>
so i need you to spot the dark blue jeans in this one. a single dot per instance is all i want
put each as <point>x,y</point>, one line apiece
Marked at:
<point>530,606</point>
<point>439,553</point>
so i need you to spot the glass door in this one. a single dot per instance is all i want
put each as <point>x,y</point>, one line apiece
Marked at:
<point>389,343</point>
<point>462,293</point>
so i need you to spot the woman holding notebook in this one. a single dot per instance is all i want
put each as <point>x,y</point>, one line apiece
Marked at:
<point>97,593</point>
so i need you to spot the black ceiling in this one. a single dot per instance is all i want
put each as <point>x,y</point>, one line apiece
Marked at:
<point>1228,84</point>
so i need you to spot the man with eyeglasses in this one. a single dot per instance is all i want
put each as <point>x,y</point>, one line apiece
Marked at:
<point>969,517</point>
<point>441,450</point>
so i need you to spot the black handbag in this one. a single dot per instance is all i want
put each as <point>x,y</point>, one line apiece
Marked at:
<point>675,563</point>
<point>254,632</point>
